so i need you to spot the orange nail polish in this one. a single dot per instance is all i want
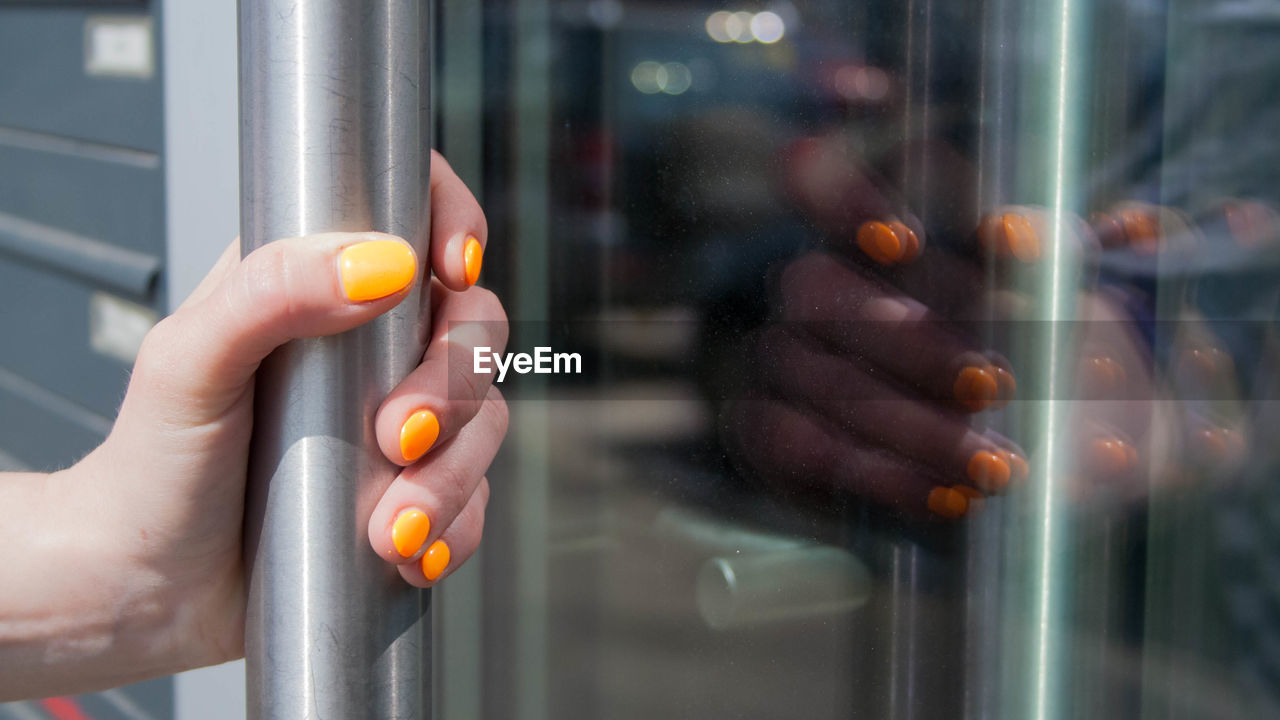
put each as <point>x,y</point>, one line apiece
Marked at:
<point>988,471</point>
<point>977,501</point>
<point>418,434</point>
<point>1112,457</point>
<point>947,502</point>
<point>1141,229</point>
<point>880,243</point>
<point>409,531</point>
<point>1006,385</point>
<point>991,236</point>
<point>375,269</point>
<point>975,388</point>
<point>910,243</point>
<point>1019,470</point>
<point>472,257</point>
<point>435,560</point>
<point>1024,242</point>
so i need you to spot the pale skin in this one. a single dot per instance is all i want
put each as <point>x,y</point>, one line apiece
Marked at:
<point>128,564</point>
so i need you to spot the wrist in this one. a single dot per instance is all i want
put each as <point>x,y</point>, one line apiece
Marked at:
<point>78,611</point>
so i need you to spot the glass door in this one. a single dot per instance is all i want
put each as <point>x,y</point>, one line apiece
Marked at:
<point>928,359</point>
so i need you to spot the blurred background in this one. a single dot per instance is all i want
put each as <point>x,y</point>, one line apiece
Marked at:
<point>746,507</point>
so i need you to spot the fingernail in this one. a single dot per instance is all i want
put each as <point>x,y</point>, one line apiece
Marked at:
<point>1024,242</point>
<point>988,471</point>
<point>1104,377</point>
<point>472,257</point>
<point>977,501</point>
<point>436,560</point>
<point>947,502</point>
<point>1141,229</point>
<point>409,531</point>
<point>910,243</point>
<point>1019,470</point>
<point>1111,456</point>
<point>375,269</point>
<point>975,388</point>
<point>1010,235</point>
<point>1006,385</point>
<point>418,434</point>
<point>880,243</point>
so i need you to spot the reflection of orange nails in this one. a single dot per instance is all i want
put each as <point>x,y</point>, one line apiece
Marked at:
<point>1141,229</point>
<point>975,388</point>
<point>1019,471</point>
<point>1104,376</point>
<point>880,243</point>
<point>911,243</point>
<point>1010,235</point>
<point>947,502</point>
<point>991,236</point>
<point>435,560</point>
<point>977,501</point>
<point>1006,385</point>
<point>988,471</point>
<point>1112,456</point>
<point>1024,243</point>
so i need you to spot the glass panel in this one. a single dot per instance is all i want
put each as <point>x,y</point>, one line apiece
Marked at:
<point>928,359</point>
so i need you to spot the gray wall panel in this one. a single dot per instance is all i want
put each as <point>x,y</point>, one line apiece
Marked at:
<point>117,203</point>
<point>45,321</point>
<point>44,85</point>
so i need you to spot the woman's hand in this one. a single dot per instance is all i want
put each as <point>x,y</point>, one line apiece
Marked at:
<point>128,564</point>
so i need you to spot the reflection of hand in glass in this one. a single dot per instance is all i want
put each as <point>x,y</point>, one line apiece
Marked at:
<point>861,388</point>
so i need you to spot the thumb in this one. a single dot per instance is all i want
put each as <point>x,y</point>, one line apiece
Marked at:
<point>201,359</point>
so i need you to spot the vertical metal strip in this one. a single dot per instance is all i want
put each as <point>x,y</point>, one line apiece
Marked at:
<point>335,135</point>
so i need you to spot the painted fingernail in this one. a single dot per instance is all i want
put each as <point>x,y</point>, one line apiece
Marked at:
<point>409,531</point>
<point>977,501</point>
<point>910,243</point>
<point>947,503</point>
<point>1006,385</point>
<point>1104,377</point>
<point>880,243</point>
<point>1019,470</point>
<point>472,257</point>
<point>975,388</point>
<point>1141,229</point>
<point>988,471</point>
<point>418,434</point>
<point>1112,457</point>
<point>1024,242</point>
<point>1010,235</point>
<point>375,269</point>
<point>436,560</point>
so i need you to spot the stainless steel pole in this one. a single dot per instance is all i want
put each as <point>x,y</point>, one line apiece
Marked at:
<point>334,136</point>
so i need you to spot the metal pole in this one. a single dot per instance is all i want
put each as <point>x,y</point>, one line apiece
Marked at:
<point>334,136</point>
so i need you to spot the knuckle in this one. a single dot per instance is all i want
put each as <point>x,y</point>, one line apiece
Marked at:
<point>454,483</point>
<point>265,285</point>
<point>155,355</point>
<point>497,413</point>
